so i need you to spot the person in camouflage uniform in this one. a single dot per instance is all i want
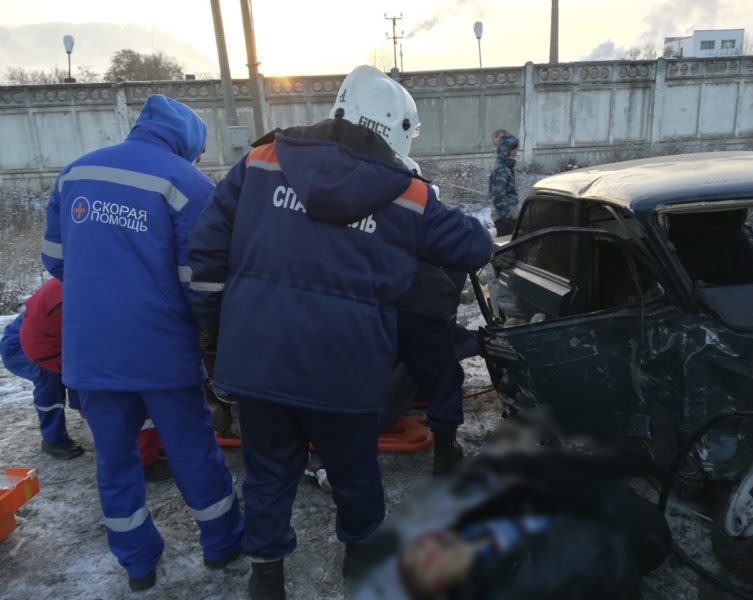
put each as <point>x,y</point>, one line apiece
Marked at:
<point>502,190</point>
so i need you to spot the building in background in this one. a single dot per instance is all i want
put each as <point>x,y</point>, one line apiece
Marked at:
<point>705,43</point>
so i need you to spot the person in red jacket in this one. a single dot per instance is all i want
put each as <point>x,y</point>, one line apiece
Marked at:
<point>49,391</point>
<point>40,339</point>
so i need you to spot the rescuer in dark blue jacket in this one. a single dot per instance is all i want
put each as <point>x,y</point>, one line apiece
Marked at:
<point>299,260</point>
<point>426,329</point>
<point>117,232</point>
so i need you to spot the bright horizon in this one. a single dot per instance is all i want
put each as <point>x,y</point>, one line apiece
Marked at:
<point>298,37</point>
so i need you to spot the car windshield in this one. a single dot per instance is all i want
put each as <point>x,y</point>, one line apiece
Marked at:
<point>715,248</point>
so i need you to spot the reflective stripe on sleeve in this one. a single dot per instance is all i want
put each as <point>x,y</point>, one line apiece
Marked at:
<point>215,510</point>
<point>415,197</point>
<point>263,157</point>
<point>184,273</point>
<point>52,249</point>
<point>141,181</point>
<point>206,286</point>
<point>121,524</point>
<point>409,205</point>
<point>48,408</point>
<point>266,166</point>
<point>148,424</point>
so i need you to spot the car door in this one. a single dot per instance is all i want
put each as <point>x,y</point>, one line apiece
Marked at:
<point>584,326</point>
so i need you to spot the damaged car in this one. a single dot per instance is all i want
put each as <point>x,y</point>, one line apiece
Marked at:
<point>624,303</point>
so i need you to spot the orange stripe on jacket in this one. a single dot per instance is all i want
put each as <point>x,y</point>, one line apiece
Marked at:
<point>265,153</point>
<point>417,192</point>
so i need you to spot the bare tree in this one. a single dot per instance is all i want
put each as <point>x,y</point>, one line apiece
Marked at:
<point>129,65</point>
<point>648,52</point>
<point>86,75</point>
<point>21,76</point>
<point>379,59</point>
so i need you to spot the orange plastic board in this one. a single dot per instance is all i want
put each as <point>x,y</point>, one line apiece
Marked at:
<point>228,442</point>
<point>17,487</point>
<point>409,434</point>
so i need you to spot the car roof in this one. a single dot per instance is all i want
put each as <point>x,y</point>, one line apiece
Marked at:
<point>645,184</point>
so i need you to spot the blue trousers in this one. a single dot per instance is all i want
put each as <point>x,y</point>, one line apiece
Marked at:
<point>275,452</point>
<point>427,348</point>
<point>182,420</point>
<point>49,391</point>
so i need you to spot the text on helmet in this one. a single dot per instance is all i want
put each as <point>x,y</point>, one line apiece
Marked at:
<point>380,128</point>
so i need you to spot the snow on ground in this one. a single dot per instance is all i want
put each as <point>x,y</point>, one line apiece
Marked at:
<point>59,549</point>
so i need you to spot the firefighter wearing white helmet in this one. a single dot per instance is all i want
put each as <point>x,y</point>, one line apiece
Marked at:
<point>326,225</point>
<point>370,98</point>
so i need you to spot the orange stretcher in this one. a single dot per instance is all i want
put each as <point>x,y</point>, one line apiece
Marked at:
<point>17,487</point>
<point>409,434</point>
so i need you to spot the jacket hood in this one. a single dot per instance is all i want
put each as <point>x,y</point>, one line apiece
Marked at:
<point>506,144</point>
<point>340,172</point>
<point>174,123</point>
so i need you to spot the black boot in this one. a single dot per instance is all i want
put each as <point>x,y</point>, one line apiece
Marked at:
<point>447,452</point>
<point>141,584</point>
<point>64,450</point>
<point>267,581</point>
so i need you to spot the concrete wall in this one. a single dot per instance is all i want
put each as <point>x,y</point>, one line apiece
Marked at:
<point>587,112</point>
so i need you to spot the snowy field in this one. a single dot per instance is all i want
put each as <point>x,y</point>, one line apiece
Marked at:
<point>59,550</point>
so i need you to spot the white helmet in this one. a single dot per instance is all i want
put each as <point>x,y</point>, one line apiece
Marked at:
<point>368,97</point>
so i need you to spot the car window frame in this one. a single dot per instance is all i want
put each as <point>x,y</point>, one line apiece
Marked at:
<point>632,254</point>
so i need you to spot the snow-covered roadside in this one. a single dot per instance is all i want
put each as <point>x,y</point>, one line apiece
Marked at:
<point>59,549</point>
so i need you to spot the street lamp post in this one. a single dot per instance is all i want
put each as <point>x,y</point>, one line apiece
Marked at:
<point>478,29</point>
<point>68,44</point>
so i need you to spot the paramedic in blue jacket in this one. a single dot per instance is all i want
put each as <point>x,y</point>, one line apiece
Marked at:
<point>117,232</point>
<point>298,262</point>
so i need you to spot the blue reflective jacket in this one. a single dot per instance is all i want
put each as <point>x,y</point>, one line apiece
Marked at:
<point>117,233</point>
<point>301,256</point>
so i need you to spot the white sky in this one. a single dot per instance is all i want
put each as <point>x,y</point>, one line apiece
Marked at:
<point>332,36</point>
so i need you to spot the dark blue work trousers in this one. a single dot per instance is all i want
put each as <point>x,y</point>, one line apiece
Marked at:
<point>427,348</point>
<point>182,420</point>
<point>275,452</point>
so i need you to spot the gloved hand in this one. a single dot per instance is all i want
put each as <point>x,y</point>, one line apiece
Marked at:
<point>208,347</point>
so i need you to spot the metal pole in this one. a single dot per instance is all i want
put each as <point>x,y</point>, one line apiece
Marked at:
<point>69,66</point>
<point>231,115</point>
<point>253,67</point>
<point>479,53</point>
<point>554,41</point>
<point>394,37</point>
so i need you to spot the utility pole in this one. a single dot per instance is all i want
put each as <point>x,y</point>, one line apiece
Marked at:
<point>554,35</point>
<point>253,66</point>
<point>231,115</point>
<point>394,37</point>
<point>401,58</point>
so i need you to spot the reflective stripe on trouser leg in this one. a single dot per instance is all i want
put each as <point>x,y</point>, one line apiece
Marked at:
<point>49,401</point>
<point>275,452</point>
<point>115,419</point>
<point>184,425</point>
<point>347,445</point>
